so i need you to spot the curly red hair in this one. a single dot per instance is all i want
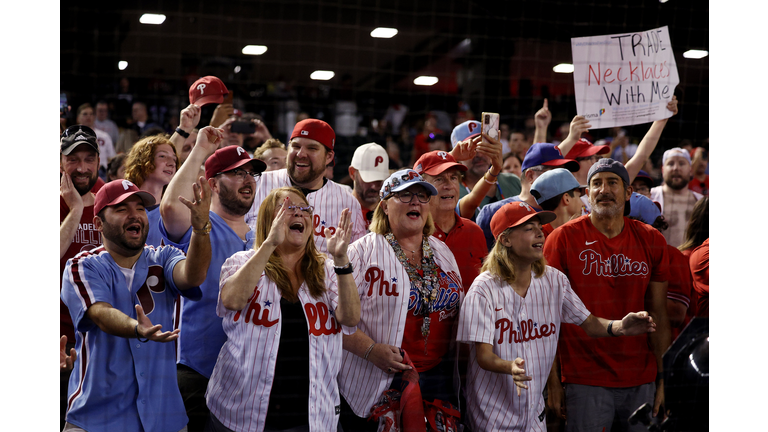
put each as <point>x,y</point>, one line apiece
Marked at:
<point>141,159</point>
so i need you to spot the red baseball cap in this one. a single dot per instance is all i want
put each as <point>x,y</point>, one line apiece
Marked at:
<point>435,162</point>
<point>315,129</point>
<point>584,148</point>
<point>117,191</point>
<point>517,213</point>
<point>229,158</point>
<point>207,89</point>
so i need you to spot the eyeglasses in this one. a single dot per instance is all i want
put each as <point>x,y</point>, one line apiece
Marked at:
<point>406,197</point>
<point>240,173</point>
<point>306,210</point>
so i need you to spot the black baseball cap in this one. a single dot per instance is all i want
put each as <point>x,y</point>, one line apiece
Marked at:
<point>77,135</point>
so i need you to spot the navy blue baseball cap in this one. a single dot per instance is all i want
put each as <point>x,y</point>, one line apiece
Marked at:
<point>609,165</point>
<point>548,155</point>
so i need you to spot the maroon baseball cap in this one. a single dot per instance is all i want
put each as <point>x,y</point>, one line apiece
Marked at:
<point>207,89</point>
<point>229,158</point>
<point>315,129</point>
<point>585,148</point>
<point>435,162</point>
<point>117,191</point>
<point>517,213</point>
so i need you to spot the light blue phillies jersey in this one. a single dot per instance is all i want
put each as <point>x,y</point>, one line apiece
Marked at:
<point>202,335</point>
<point>120,384</point>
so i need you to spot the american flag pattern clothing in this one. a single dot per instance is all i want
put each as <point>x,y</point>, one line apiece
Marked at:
<point>239,388</point>
<point>384,289</point>
<point>120,384</point>
<point>528,328</point>
<point>328,201</point>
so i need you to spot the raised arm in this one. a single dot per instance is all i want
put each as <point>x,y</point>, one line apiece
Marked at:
<point>192,271</point>
<point>188,120</point>
<point>116,323</point>
<point>348,309</point>
<point>69,225</point>
<point>648,144</point>
<point>542,119</point>
<point>176,216</point>
<point>579,125</point>
<point>493,149</point>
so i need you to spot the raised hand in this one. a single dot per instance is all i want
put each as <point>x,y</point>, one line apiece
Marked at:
<point>579,125</point>
<point>466,150</point>
<point>189,117</point>
<point>152,332</point>
<point>221,113</point>
<point>209,138</point>
<point>492,148</point>
<point>262,133</point>
<point>276,235</point>
<point>199,208</point>
<point>543,117</point>
<point>672,105</point>
<point>339,241</point>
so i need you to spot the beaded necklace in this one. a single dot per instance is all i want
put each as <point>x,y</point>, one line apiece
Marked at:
<point>426,285</point>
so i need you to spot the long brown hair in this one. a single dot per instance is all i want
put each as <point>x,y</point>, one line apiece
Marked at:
<point>311,264</point>
<point>500,261</point>
<point>698,226</point>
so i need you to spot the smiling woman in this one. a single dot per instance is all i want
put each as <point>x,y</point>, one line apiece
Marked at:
<point>150,165</point>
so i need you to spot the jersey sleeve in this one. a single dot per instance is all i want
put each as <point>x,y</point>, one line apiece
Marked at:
<point>476,318</point>
<point>228,269</point>
<point>182,244</point>
<point>83,285</point>
<point>171,256</point>
<point>573,310</point>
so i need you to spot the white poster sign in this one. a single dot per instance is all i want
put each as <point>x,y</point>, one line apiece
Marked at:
<point>624,79</point>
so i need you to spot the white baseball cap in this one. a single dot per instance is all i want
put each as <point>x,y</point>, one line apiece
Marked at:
<point>372,162</point>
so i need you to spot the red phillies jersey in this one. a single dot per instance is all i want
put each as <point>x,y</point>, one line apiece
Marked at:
<point>680,285</point>
<point>611,277</point>
<point>467,242</point>
<point>86,238</point>
<point>699,263</point>
<point>547,229</point>
<point>445,312</point>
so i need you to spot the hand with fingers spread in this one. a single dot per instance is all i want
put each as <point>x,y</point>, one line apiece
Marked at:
<point>518,374</point>
<point>199,208</point>
<point>338,242</point>
<point>543,116</point>
<point>189,118</point>
<point>146,330</point>
<point>387,358</point>
<point>67,362</point>
<point>67,190</point>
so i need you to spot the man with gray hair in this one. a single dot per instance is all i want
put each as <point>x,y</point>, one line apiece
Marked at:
<point>676,199</point>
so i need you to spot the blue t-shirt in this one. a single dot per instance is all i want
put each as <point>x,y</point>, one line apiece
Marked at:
<point>201,334</point>
<point>119,383</point>
<point>154,238</point>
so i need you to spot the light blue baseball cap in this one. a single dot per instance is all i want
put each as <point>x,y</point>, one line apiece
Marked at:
<point>468,129</point>
<point>402,180</point>
<point>643,208</point>
<point>553,183</point>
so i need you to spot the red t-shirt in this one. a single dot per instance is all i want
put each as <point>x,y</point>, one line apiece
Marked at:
<point>697,185</point>
<point>445,312</point>
<point>467,243</point>
<point>679,287</point>
<point>98,185</point>
<point>699,263</point>
<point>611,277</point>
<point>547,228</point>
<point>86,238</point>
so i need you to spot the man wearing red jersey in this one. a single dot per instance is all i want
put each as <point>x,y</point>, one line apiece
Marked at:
<point>615,265</point>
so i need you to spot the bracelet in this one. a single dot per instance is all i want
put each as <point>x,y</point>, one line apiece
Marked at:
<point>493,175</point>
<point>347,269</point>
<point>489,182</point>
<point>204,230</point>
<point>370,348</point>
<point>610,328</point>
<point>181,132</point>
<point>136,330</point>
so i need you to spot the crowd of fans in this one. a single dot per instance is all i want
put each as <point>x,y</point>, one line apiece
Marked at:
<point>431,281</point>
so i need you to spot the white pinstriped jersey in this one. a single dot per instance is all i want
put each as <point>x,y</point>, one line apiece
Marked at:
<point>384,290</point>
<point>328,202</point>
<point>239,388</point>
<point>516,327</point>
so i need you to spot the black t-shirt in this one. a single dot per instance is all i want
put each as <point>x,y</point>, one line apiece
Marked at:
<point>289,397</point>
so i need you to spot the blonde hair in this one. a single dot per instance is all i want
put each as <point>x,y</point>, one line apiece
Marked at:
<point>500,261</point>
<point>140,162</point>
<point>268,144</point>
<point>380,222</point>
<point>312,263</point>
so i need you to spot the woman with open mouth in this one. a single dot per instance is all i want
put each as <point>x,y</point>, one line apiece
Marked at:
<point>410,292</point>
<point>283,306</point>
<point>511,317</point>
